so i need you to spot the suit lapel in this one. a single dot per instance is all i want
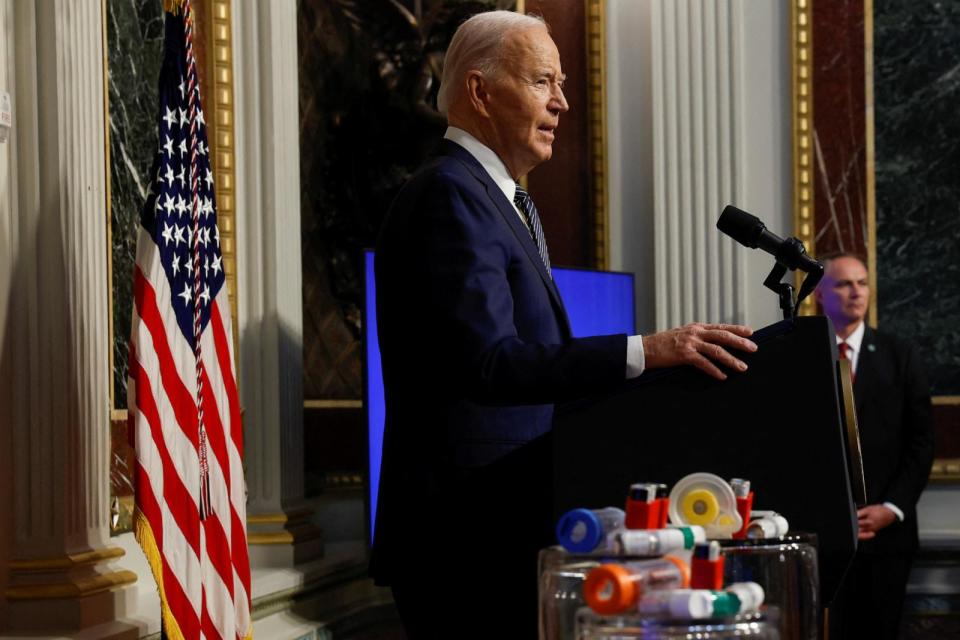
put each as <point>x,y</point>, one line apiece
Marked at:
<point>511,219</point>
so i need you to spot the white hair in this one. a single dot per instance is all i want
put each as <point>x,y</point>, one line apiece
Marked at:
<point>478,44</point>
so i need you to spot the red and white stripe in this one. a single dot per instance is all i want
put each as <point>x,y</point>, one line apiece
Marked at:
<point>204,575</point>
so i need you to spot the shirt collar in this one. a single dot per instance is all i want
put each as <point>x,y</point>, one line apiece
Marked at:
<point>489,160</point>
<point>855,339</point>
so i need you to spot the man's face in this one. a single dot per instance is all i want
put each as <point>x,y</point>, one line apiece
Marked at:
<point>844,292</point>
<point>525,100</point>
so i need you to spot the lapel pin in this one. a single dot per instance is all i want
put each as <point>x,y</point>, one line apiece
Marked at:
<point>871,347</point>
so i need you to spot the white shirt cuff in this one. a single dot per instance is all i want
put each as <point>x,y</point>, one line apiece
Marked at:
<point>635,358</point>
<point>895,509</point>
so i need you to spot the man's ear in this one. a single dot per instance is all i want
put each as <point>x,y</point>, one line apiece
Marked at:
<point>477,92</point>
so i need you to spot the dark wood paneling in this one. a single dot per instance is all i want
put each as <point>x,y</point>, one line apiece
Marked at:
<point>946,421</point>
<point>334,448</point>
<point>561,187</point>
<point>840,210</point>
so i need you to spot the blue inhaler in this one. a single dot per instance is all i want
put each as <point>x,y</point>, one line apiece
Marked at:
<point>583,530</point>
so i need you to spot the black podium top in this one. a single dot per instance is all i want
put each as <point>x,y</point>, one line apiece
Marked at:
<point>780,425</point>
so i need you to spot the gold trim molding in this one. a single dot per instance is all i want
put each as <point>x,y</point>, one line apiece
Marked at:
<point>801,53</point>
<point>294,515</point>
<point>286,536</point>
<point>108,190</point>
<point>870,159</point>
<point>282,527</point>
<point>945,470</point>
<point>66,562</point>
<point>347,403</point>
<point>596,37</point>
<point>278,537</point>
<point>219,55</point>
<point>71,589</point>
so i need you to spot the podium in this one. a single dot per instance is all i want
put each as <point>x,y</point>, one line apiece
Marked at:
<point>782,425</point>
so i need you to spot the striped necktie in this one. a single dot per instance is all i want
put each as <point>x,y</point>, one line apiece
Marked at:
<point>529,210</point>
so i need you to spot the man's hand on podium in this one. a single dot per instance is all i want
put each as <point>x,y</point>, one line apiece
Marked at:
<point>872,518</point>
<point>700,345</point>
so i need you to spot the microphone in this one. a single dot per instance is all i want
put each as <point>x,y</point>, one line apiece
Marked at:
<point>749,230</point>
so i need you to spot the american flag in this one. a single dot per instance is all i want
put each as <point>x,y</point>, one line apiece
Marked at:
<point>182,393</point>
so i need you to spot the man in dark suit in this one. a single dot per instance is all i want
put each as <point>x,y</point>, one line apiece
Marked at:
<point>476,347</point>
<point>896,438</point>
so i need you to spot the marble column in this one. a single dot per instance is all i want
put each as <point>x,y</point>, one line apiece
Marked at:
<point>269,276</point>
<point>697,75</point>
<point>55,349</point>
<point>698,116</point>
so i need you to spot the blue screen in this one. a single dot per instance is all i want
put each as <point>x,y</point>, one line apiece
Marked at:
<point>598,303</point>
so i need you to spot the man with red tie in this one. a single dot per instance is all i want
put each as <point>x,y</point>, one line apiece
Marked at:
<point>896,435</point>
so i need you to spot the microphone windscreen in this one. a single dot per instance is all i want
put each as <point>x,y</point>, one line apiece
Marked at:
<point>743,227</point>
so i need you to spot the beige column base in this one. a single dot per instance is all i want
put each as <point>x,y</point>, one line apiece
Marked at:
<point>69,593</point>
<point>283,539</point>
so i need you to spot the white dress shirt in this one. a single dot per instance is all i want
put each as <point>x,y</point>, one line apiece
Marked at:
<point>494,166</point>
<point>854,342</point>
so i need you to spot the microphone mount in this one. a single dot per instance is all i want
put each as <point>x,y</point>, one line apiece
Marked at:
<point>789,254</point>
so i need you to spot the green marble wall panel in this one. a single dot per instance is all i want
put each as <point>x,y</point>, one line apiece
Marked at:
<point>134,50</point>
<point>917,93</point>
<point>134,54</point>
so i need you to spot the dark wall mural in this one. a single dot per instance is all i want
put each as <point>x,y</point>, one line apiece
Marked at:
<point>369,73</point>
<point>917,90</point>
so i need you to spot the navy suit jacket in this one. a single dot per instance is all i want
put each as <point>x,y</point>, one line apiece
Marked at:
<point>476,349</point>
<point>896,433</point>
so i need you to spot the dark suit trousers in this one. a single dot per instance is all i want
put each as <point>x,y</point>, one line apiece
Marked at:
<point>871,602</point>
<point>484,608</point>
<point>478,576</point>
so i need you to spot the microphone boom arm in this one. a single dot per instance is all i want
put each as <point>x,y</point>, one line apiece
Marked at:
<point>784,290</point>
<point>788,256</point>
